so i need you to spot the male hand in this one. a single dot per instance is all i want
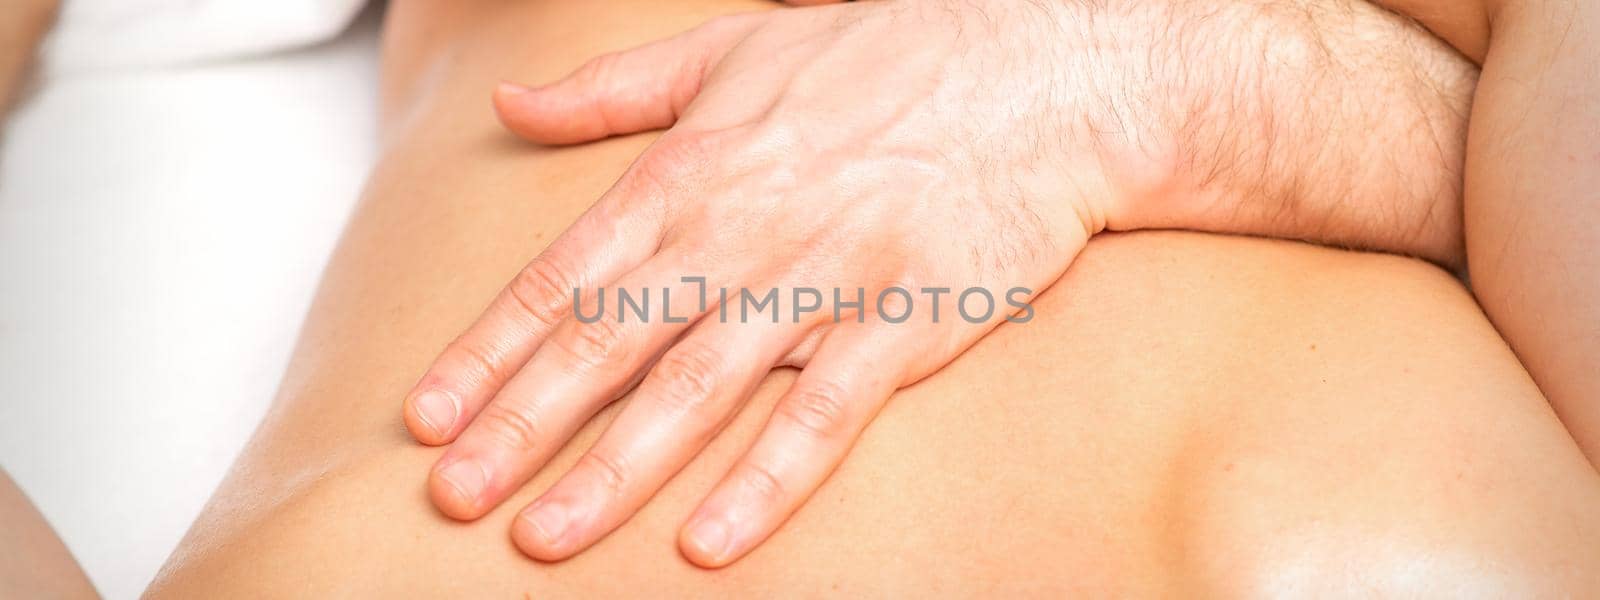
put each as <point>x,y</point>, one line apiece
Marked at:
<point>918,146</point>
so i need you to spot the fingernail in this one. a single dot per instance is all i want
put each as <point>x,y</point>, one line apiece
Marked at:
<point>549,521</point>
<point>437,411</point>
<point>709,538</point>
<point>468,477</point>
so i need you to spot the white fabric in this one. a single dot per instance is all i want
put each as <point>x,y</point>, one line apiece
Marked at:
<point>161,235</point>
<point>106,34</point>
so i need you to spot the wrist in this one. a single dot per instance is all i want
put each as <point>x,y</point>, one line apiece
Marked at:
<point>1337,123</point>
<point>1102,107</point>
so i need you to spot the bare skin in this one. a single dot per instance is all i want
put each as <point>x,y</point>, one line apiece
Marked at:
<point>1212,116</point>
<point>1188,413</point>
<point>33,561</point>
<point>23,24</point>
<point>1532,212</point>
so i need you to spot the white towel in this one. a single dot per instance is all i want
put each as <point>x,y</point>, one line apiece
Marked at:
<point>113,34</point>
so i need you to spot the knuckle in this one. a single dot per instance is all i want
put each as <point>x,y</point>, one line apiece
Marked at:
<point>610,470</point>
<point>678,156</point>
<point>653,175</point>
<point>697,147</point>
<point>515,429</point>
<point>648,184</point>
<point>686,378</point>
<point>673,169</point>
<point>598,71</point>
<point>540,290</point>
<point>819,409</point>
<point>594,345</point>
<point>473,359</point>
<point>761,482</point>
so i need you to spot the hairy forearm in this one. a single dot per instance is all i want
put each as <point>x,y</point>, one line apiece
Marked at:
<point>1338,122</point>
<point>1329,121</point>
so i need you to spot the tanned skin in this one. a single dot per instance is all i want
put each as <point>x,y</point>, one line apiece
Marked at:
<point>23,24</point>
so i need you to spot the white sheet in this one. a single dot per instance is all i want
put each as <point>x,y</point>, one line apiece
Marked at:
<point>161,235</point>
<point>112,34</point>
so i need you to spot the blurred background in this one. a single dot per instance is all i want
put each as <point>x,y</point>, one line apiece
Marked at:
<point>173,175</point>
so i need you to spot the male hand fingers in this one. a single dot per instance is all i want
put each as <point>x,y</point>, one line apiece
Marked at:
<point>579,369</point>
<point>594,251</point>
<point>624,92</point>
<point>678,408</point>
<point>811,429</point>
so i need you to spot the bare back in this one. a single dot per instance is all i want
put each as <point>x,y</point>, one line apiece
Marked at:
<point>1185,411</point>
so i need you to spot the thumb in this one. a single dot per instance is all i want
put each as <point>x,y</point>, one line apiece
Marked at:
<point>623,92</point>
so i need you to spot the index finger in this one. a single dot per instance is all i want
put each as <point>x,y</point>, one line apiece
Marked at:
<point>604,243</point>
